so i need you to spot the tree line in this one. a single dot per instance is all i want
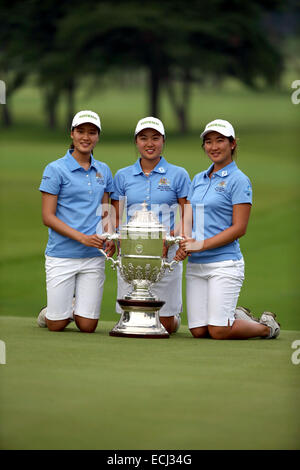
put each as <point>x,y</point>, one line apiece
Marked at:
<point>176,43</point>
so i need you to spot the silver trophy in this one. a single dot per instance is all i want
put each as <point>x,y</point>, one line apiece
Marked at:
<point>141,263</point>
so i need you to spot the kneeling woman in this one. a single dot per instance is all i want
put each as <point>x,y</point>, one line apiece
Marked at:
<point>164,187</point>
<point>75,190</point>
<point>215,271</point>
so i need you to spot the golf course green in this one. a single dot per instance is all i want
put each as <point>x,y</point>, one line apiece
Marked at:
<point>73,390</point>
<point>79,391</point>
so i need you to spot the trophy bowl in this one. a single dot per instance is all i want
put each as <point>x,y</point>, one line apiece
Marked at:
<point>141,263</point>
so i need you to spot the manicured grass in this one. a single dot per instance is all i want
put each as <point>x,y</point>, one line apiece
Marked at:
<point>267,125</point>
<point>78,391</point>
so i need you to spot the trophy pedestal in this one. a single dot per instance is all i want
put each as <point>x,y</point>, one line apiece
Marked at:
<point>140,319</point>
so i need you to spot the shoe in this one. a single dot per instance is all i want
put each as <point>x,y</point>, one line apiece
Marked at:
<point>41,320</point>
<point>243,313</point>
<point>178,316</point>
<point>269,319</point>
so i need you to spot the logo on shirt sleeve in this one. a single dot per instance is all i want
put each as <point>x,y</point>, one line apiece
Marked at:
<point>248,190</point>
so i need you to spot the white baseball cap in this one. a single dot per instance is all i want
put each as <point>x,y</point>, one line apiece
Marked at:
<point>221,126</point>
<point>150,123</point>
<point>86,116</point>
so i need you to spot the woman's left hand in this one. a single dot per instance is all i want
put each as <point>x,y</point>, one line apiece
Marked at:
<point>110,248</point>
<point>180,255</point>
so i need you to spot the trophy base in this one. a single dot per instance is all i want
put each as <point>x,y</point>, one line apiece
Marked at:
<point>140,319</point>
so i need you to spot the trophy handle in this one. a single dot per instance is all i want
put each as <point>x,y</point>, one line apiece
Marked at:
<point>171,265</point>
<point>173,240</point>
<point>115,263</point>
<point>110,236</point>
<point>169,242</point>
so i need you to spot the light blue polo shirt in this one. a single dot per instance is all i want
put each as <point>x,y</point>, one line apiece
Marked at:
<point>212,200</point>
<point>80,193</point>
<point>160,190</point>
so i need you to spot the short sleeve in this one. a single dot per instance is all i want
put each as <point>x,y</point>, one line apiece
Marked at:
<point>241,191</point>
<point>118,187</point>
<point>109,187</point>
<point>191,189</point>
<point>51,180</point>
<point>183,184</point>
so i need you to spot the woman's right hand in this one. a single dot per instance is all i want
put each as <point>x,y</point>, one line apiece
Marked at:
<point>191,245</point>
<point>92,240</point>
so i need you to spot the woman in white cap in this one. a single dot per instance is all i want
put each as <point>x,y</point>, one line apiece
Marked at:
<point>220,200</point>
<point>163,187</point>
<point>75,195</point>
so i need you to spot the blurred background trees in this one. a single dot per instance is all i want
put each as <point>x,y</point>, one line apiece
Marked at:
<point>175,44</point>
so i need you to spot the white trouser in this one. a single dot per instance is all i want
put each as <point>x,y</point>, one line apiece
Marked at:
<point>212,292</point>
<point>169,288</point>
<point>79,277</point>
